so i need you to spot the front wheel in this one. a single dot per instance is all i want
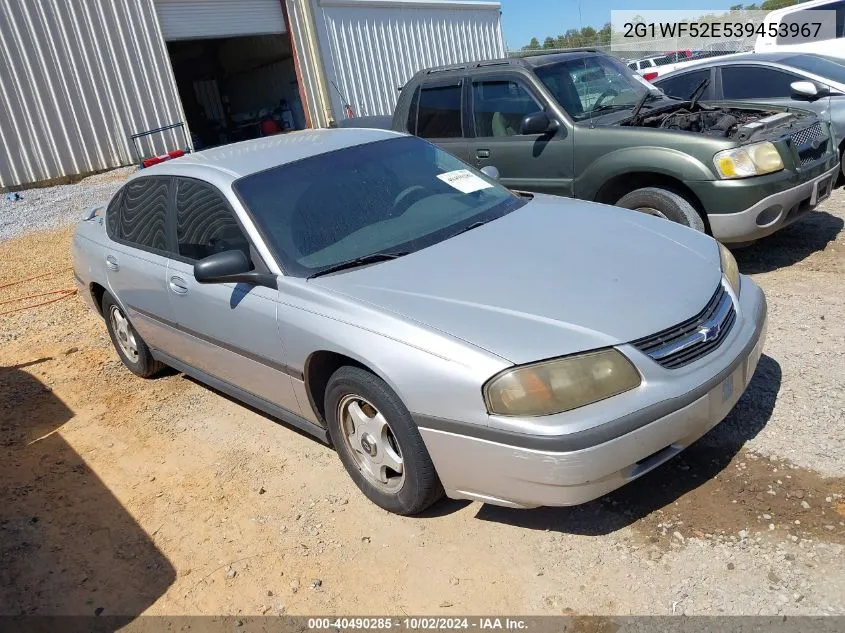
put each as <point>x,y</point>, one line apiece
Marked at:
<point>379,443</point>
<point>664,204</point>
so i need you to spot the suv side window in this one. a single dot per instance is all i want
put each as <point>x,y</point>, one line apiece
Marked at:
<point>756,82</point>
<point>681,86</point>
<point>143,213</point>
<point>439,113</point>
<point>205,223</point>
<point>499,105</point>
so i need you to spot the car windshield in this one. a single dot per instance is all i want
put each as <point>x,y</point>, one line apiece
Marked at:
<point>589,85</point>
<point>827,67</point>
<point>393,196</point>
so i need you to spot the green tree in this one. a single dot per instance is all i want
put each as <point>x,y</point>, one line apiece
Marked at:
<point>533,45</point>
<point>771,5</point>
<point>549,43</point>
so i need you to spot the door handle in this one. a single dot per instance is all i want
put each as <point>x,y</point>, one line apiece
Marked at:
<point>111,262</point>
<point>178,286</point>
<point>482,153</point>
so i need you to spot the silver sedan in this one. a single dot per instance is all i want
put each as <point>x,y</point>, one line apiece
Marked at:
<point>443,333</point>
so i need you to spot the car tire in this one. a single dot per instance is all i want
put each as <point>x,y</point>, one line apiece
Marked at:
<point>663,203</point>
<point>130,347</point>
<point>373,433</point>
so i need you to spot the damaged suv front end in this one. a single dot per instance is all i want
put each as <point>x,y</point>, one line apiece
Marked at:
<point>749,170</point>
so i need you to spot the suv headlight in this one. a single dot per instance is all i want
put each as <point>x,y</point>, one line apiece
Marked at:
<point>751,160</point>
<point>561,384</point>
<point>729,268</point>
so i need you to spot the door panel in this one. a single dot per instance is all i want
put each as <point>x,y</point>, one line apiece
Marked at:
<point>538,162</point>
<point>137,280</point>
<point>230,332</point>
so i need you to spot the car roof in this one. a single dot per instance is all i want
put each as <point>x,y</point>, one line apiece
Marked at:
<point>737,58</point>
<point>230,162</point>
<point>530,61</point>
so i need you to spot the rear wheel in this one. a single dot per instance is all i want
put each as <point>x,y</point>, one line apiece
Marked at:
<point>130,347</point>
<point>664,204</point>
<point>379,443</point>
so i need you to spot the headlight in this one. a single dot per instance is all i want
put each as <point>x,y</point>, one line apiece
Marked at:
<point>752,160</point>
<point>558,385</point>
<point>729,268</point>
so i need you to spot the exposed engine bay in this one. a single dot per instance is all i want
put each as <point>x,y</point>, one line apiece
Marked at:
<point>740,125</point>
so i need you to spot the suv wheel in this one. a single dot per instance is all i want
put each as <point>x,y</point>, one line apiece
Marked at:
<point>131,348</point>
<point>663,204</point>
<point>379,443</point>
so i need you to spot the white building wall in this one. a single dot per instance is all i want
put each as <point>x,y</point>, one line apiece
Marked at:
<point>76,80</point>
<point>372,47</point>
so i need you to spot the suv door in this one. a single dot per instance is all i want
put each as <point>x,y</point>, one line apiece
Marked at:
<point>533,162</point>
<point>436,114</point>
<point>229,330</point>
<point>136,259</point>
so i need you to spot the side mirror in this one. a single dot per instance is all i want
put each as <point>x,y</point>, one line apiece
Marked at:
<point>230,267</point>
<point>490,172</point>
<point>538,123</point>
<point>808,91</point>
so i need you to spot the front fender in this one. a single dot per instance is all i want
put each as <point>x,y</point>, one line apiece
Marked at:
<point>657,160</point>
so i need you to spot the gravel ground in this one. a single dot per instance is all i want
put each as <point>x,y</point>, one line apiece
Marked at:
<point>52,207</point>
<point>164,497</point>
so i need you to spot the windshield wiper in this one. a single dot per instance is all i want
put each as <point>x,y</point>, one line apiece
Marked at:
<point>648,96</point>
<point>359,261</point>
<point>470,227</point>
<point>696,94</point>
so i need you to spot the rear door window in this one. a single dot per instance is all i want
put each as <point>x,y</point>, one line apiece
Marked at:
<point>682,86</point>
<point>143,214</point>
<point>756,82</point>
<point>439,113</point>
<point>205,223</point>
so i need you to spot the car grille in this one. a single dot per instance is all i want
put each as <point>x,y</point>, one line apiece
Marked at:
<point>803,141</point>
<point>693,339</point>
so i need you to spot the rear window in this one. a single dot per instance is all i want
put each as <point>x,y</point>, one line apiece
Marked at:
<point>143,213</point>
<point>440,112</point>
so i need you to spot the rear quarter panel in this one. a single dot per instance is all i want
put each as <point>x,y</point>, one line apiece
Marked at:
<point>88,253</point>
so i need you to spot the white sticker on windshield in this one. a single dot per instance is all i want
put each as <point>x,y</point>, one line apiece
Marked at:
<point>464,181</point>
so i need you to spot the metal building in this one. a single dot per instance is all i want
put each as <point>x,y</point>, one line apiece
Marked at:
<point>78,79</point>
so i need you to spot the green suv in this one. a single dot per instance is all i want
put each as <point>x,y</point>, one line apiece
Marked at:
<point>581,124</point>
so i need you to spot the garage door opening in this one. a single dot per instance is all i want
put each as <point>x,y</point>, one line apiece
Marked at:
<point>237,88</point>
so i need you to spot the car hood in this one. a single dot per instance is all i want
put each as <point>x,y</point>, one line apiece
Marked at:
<point>555,277</point>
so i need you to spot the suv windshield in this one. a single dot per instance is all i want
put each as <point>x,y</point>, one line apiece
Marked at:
<point>592,84</point>
<point>393,196</point>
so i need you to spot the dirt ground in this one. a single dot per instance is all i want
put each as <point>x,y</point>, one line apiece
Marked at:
<point>122,496</point>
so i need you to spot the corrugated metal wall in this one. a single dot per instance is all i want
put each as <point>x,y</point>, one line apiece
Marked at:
<point>371,47</point>
<point>76,79</point>
<point>188,19</point>
<point>303,31</point>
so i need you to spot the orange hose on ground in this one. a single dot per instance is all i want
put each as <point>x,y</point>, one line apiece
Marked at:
<point>20,281</point>
<point>68,292</point>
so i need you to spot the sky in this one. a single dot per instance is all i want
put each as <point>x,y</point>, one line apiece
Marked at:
<point>524,19</point>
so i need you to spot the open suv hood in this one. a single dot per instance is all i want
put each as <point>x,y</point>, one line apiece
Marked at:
<point>734,122</point>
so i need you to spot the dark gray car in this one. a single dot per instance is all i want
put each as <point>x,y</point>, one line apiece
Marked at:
<point>767,78</point>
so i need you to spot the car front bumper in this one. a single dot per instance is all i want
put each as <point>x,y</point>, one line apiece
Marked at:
<point>519,472</point>
<point>772,212</point>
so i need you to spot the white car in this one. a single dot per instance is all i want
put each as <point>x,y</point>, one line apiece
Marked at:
<point>830,47</point>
